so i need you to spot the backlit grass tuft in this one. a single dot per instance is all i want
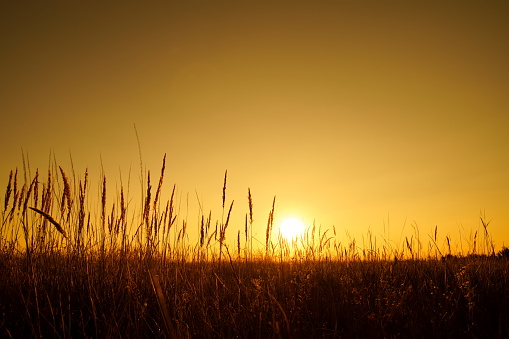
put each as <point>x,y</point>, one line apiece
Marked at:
<point>77,265</point>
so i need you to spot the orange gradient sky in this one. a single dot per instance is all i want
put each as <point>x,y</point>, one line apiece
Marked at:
<point>357,114</point>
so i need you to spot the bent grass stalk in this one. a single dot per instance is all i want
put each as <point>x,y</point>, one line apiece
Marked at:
<point>51,220</point>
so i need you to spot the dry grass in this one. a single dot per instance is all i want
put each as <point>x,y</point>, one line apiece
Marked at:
<point>110,271</point>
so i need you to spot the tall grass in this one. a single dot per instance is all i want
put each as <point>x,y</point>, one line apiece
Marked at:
<point>75,266</point>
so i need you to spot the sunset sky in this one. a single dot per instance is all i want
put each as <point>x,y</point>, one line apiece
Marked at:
<point>357,114</point>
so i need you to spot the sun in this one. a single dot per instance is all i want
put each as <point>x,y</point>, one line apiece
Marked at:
<point>291,228</point>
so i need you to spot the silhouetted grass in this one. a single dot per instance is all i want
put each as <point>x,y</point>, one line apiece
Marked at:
<point>69,268</point>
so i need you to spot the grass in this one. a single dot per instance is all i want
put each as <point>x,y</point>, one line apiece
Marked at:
<point>72,268</point>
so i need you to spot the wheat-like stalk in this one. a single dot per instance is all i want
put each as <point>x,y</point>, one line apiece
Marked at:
<point>270,222</point>
<point>15,190</point>
<point>224,186</point>
<point>66,196</point>
<point>8,191</point>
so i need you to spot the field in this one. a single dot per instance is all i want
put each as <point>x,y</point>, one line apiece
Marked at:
<point>70,267</point>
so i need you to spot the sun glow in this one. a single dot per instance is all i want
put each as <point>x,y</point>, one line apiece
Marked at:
<point>291,228</point>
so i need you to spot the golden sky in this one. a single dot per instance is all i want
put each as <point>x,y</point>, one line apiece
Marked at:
<point>356,114</point>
